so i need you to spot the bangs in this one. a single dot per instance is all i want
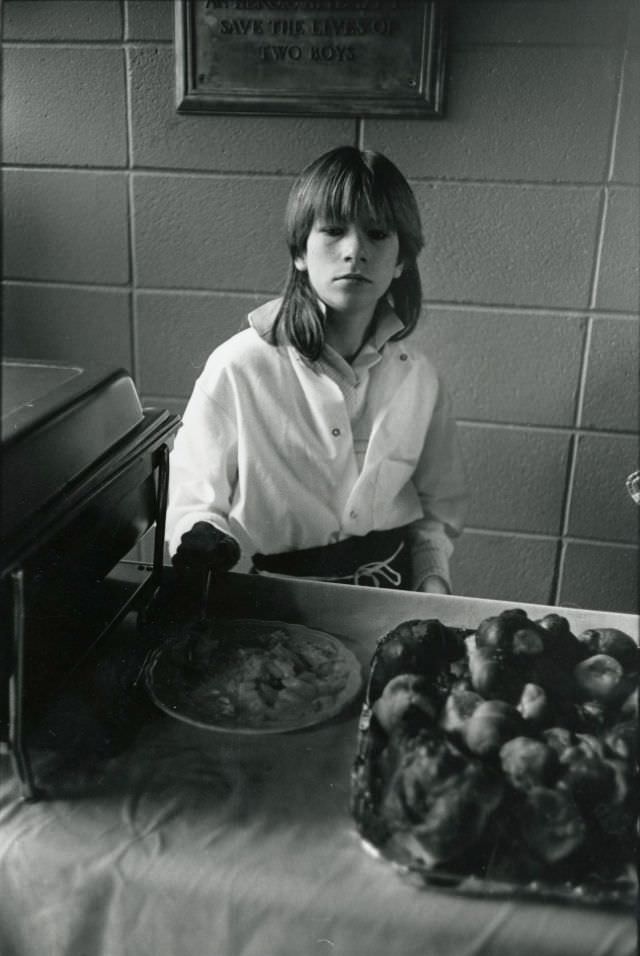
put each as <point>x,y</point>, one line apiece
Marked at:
<point>351,195</point>
<point>349,185</point>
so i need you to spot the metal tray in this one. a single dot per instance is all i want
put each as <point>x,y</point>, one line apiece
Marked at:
<point>486,871</point>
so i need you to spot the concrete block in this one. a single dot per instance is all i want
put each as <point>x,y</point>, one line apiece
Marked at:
<point>633,30</point>
<point>611,399</point>
<point>86,327</point>
<point>570,23</point>
<point>149,21</point>
<point>176,333</point>
<point>513,113</point>
<point>600,576</point>
<point>165,138</point>
<point>512,367</point>
<point>72,110</point>
<point>504,567</point>
<point>619,277</point>
<point>66,226</point>
<point>210,232</point>
<point>516,478</point>
<point>508,245</point>
<point>626,160</point>
<point>62,20</point>
<point>599,505</point>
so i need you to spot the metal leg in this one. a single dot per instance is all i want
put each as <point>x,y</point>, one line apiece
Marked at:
<point>17,742</point>
<point>161,512</point>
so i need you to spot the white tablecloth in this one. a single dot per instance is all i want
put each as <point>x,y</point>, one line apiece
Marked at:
<point>197,844</point>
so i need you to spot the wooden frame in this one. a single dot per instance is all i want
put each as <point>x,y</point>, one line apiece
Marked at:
<point>365,58</point>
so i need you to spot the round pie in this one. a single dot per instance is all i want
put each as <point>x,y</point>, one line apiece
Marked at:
<point>253,677</point>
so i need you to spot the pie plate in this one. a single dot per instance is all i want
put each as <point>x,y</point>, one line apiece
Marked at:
<point>244,676</point>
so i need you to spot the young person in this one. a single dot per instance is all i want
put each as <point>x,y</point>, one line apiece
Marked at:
<point>320,441</point>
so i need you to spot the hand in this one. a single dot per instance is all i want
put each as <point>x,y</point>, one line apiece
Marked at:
<point>434,584</point>
<point>205,548</point>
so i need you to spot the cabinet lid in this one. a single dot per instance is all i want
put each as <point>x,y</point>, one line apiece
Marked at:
<point>57,421</point>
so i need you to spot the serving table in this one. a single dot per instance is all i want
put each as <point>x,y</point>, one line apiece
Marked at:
<point>203,843</point>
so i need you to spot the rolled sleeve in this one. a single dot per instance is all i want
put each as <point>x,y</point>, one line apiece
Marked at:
<point>202,469</point>
<point>440,482</point>
<point>431,549</point>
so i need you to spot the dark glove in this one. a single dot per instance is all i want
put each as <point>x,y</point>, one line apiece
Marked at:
<point>205,548</point>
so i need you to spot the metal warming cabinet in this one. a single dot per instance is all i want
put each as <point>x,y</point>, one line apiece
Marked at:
<point>84,474</point>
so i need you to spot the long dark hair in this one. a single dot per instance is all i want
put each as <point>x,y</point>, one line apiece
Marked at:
<point>343,185</point>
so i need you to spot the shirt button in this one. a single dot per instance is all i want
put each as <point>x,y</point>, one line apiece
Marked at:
<point>403,356</point>
<point>335,432</point>
<point>353,514</point>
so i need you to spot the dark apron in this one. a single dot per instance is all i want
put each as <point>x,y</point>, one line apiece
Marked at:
<point>380,559</point>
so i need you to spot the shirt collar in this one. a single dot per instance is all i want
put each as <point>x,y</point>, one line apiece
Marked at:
<point>262,318</point>
<point>387,322</point>
<point>387,325</point>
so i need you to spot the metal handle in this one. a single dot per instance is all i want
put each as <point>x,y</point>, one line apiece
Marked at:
<point>633,486</point>
<point>17,742</point>
<point>204,598</point>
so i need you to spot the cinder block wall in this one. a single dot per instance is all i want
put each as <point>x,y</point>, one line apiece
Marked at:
<point>139,237</point>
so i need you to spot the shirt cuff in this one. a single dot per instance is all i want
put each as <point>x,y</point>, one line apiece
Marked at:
<point>186,523</point>
<point>430,553</point>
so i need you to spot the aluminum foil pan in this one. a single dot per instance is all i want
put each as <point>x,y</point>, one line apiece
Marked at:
<point>498,864</point>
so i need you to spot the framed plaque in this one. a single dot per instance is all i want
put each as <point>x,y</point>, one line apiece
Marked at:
<point>331,58</point>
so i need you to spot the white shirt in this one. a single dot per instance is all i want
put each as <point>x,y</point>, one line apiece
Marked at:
<point>284,454</point>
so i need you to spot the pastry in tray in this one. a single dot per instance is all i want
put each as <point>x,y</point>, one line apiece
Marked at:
<point>502,759</point>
